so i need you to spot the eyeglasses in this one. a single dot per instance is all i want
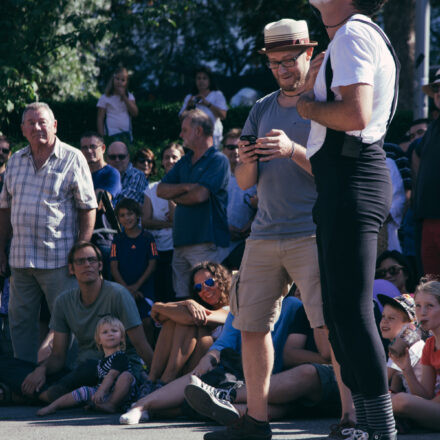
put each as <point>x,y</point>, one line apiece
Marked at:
<point>91,147</point>
<point>144,160</point>
<point>82,261</point>
<point>231,147</point>
<point>291,62</point>
<point>5,150</point>
<point>419,132</point>
<point>208,283</point>
<point>117,156</point>
<point>392,270</point>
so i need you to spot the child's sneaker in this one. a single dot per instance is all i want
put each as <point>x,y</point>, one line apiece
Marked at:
<point>211,402</point>
<point>342,430</point>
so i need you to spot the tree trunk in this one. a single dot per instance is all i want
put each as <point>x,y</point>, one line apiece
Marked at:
<point>399,23</point>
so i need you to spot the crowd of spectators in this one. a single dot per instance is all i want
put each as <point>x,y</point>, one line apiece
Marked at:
<point>86,233</point>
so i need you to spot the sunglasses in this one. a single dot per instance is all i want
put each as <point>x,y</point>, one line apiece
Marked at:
<point>117,156</point>
<point>208,283</point>
<point>5,150</point>
<point>393,270</point>
<point>144,160</point>
<point>435,88</point>
<point>82,261</point>
<point>231,147</point>
<point>418,132</point>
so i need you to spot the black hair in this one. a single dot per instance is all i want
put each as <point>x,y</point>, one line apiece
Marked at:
<point>403,261</point>
<point>368,7</point>
<point>91,133</point>
<point>207,71</point>
<point>81,245</point>
<point>129,205</point>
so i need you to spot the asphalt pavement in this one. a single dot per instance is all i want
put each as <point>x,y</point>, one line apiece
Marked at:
<point>20,423</point>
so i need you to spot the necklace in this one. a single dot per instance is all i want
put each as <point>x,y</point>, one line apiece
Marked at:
<point>289,96</point>
<point>339,24</point>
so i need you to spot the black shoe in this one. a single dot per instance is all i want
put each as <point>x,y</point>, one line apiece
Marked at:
<point>211,402</point>
<point>245,428</point>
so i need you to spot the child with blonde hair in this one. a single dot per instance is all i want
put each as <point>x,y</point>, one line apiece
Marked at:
<point>423,404</point>
<point>115,381</point>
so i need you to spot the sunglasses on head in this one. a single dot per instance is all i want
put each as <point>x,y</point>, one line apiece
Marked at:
<point>393,270</point>
<point>208,283</point>
<point>117,156</point>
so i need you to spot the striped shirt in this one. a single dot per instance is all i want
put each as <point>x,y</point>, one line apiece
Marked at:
<point>134,183</point>
<point>44,205</point>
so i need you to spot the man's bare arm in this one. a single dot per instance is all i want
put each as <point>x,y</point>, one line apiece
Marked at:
<point>246,171</point>
<point>352,113</point>
<point>86,219</point>
<point>139,341</point>
<point>197,194</point>
<point>170,191</point>
<point>54,363</point>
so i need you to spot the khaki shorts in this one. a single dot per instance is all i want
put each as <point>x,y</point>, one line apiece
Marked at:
<point>186,257</point>
<point>268,266</point>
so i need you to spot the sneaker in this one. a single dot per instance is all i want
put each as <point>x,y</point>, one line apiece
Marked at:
<point>245,428</point>
<point>342,430</point>
<point>211,402</point>
<point>134,416</point>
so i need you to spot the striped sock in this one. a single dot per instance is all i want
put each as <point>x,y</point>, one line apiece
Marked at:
<point>380,416</point>
<point>361,413</point>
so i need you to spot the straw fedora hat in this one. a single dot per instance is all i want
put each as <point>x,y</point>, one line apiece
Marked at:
<point>427,88</point>
<point>286,34</point>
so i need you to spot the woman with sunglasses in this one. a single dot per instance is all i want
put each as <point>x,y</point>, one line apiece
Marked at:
<point>395,268</point>
<point>189,327</point>
<point>144,161</point>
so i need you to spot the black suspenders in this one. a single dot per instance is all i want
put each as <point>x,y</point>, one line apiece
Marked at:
<point>329,71</point>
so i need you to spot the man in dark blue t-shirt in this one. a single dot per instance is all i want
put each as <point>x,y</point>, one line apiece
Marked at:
<point>198,185</point>
<point>104,176</point>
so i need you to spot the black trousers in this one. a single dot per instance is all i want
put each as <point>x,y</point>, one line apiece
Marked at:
<point>354,197</point>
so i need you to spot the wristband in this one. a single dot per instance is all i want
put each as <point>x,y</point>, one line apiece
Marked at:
<point>293,151</point>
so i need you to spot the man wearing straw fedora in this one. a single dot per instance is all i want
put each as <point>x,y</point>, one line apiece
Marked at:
<point>427,192</point>
<point>352,103</point>
<point>282,245</point>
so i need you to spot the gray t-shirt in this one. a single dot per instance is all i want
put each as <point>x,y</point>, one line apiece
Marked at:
<point>70,315</point>
<point>286,193</point>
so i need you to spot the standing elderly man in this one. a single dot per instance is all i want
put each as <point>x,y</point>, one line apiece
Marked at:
<point>49,201</point>
<point>198,185</point>
<point>134,183</point>
<point>351,105</point>
<point>282,245</point>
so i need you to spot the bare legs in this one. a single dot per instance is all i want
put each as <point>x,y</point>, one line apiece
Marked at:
<point>120,391</point>
<point>423,411</point>
<point>179,349</point>
<point>258,357</point>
